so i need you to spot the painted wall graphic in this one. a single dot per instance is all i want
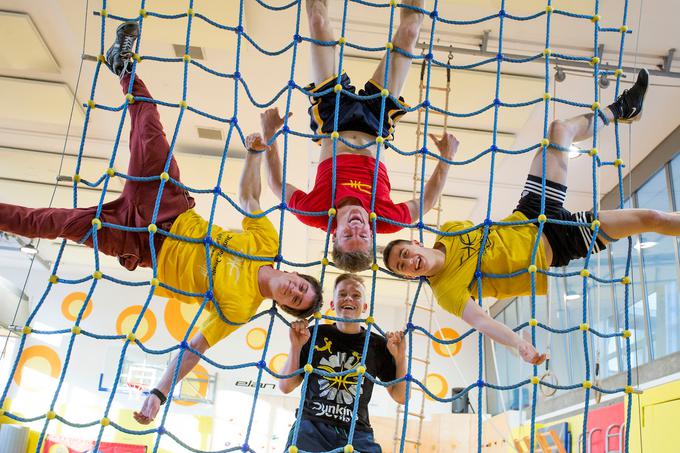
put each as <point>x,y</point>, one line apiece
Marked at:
<point>256,338</point>
<point>437,384</point>
<point>446,350</point>
<point>178,317</point>
<point>73,303</point>
<point>276,363</point>
<point>37,365</point>
<point>127,318</point>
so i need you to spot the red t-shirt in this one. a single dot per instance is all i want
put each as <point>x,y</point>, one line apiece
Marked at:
<point>354,178</point>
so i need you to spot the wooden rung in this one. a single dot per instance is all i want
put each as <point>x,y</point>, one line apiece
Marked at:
<point>412,414</point>
<point>417,359</point>
<point>438,88</point>
<point>409,304</point>
<point>409,441</point>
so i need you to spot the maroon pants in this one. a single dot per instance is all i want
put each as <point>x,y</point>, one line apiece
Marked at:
<point>134,208</point>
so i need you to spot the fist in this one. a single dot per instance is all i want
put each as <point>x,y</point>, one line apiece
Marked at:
<point>299,333</point>
<point>255,142</point>
<point>529,354</point>
<point>447,145</point>
<point>148,411</point>
<point>396,344</point>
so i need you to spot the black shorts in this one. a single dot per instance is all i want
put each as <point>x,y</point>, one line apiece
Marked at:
<point>568,242</point>
<point>361,115</point>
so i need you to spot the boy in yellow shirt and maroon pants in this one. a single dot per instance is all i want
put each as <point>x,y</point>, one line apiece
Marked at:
<point>239,284</point>
<point>452,263</point>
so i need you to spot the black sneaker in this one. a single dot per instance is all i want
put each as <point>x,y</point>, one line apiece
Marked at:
<point>119,55</point>
<point>629,104</point>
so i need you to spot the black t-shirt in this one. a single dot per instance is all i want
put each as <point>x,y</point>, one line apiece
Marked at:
<point>331,400</point>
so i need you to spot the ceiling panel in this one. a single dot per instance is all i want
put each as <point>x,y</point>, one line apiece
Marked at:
<point>34,101</point>
<point>27,51</point>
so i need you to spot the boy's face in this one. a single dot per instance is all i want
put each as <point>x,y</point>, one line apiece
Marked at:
<point>293,291</point>
<point>353,229</point>
<point>348,299</point>
<point>410,259</point>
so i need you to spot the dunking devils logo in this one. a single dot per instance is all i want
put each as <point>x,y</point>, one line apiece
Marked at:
<point>341,389</point>
<point>358,185</point>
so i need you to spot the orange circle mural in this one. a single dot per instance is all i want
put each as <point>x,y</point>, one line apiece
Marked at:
<point>276,363</point>
<point>194,389</point>
<point>42,359</point>
<point>436,383</point>
<point>329,312</point>
<point>178,317</point>
<point>72,304</point>
<point>256,337</point>
<point>446,350</point>
<point>128,317</point>
<point>58,448</point>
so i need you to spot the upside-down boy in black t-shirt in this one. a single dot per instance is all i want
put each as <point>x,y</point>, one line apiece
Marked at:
<point>329,402</point>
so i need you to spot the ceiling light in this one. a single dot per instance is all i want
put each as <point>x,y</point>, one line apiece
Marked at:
<point>560,75</point>
<point>572,296</point>
<point>645,245</point>
<point>574,152</point>
<point>29,249</point>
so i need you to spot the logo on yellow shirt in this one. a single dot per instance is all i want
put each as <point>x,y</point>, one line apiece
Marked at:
<point>358,185</point>
<point>470,244</point>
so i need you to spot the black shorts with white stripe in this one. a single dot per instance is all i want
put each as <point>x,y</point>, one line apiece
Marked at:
<point>568,242</point>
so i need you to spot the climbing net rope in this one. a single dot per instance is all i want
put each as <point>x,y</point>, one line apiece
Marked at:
<point>240,86</point>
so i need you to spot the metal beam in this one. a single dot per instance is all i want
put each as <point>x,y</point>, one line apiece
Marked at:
<point>553,60</point>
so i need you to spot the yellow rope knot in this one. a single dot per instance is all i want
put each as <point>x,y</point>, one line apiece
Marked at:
<point>165,176</point>
<point>53,279</point>
<point>97,223</point>
<point>628,390</point>
<point>384,92</point>
<point>618,162</point>
<point>544,142</point>
<point>142,12</point>
<point>595,224</point>
<point>533,322</point>
<point>187,58</point>
<point>625,280</point>
<point>75,330</point>
<point>152,228</point>
<point>375,267</point>
<point>324,261</point>
<point>131,337</point>
<point>361,369</point>
<point>546,96</point>
<point>584,273</point>
<point>379,140</point>
<point>110,172</point>
<point>97,275</point>
<point>91,104</point>
<point>332,212</point>
<point>76,178</point>
<point>532,269</point>
<point>583,327</point>
<point>547,52</point>
<point>542,218</point>
<point>26,330</point>
<point>317,315</point>
<point>308,368</point>
<point>136,57</point>
<point>595,18</point>
<point>393,3</point>
<point>51,415</point>
<point>587,385</point>
<point>183,104</point>
<point>101,58</point>
<point>292,449</point>
<point>389,46</point>
<point>626,334</point>
<point>594,61</point>
<point>104,13</point>
<point>190,12</point>
<point>372,216</point>
<point>348,448</point>
<point>335,135</point>
<point>548,9</point>
<point>623,28</point>
<point>618,72</point>
<point>105,421</point>
<point>595,106</point>
<point>130,98</point>
<point>154,282</point>
<point>337,88</point>
<point>370,320</point>
<point>535,380</point>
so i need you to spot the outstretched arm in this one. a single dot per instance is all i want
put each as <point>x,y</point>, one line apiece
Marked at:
<point>500,333</point>
<point>271,122</point>
<point>447,145</point>
<point>299,336</point>
<point>250,185</point>
<point>152,404</point>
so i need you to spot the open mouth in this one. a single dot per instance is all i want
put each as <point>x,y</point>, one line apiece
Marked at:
<point>355,219</point>
<point>419,263</point>
<point>348,306</point>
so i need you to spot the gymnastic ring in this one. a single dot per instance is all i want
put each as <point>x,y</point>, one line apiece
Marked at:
<point>550,378</point>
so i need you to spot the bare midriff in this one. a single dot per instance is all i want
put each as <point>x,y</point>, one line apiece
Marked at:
<point>356,138</point>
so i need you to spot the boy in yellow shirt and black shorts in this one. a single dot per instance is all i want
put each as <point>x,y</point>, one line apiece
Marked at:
<point>451,264</point>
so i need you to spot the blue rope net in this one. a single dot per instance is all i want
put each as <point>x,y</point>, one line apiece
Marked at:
<point>239,83</point>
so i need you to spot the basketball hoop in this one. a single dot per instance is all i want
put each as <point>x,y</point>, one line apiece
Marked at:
<point>135,389</point>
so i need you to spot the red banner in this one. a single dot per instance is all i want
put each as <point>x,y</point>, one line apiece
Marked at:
<point>59,444</point>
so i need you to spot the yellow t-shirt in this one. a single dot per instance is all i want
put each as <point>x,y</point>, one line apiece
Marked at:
<point>182,265</point>
<point>507,250</point>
